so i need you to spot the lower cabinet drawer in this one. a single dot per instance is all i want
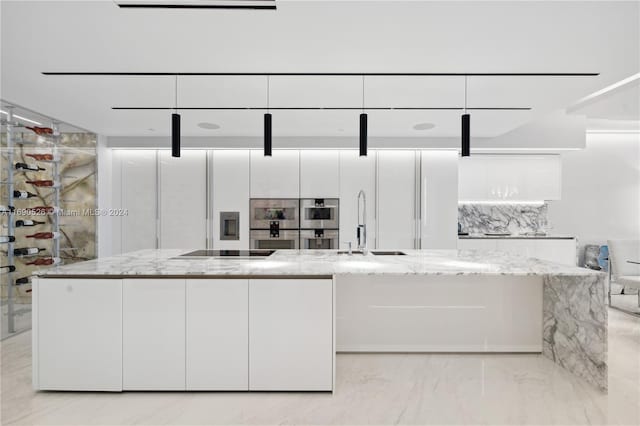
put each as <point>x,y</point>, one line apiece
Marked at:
<point>77,334</point>
<point>291,335</point>
<point>153,339</point>
<point>217,334</point>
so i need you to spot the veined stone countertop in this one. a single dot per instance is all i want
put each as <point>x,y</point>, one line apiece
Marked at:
<point>515,237</point>
<point>314,263</point>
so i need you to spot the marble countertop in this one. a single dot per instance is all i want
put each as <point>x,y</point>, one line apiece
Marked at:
<point>516,237</point>
<point>313,263</point>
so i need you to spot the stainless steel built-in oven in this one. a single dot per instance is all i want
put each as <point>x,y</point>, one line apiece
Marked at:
<point>266,211</point>
<point>274,239</point>
<point>319,239</point>
<point>319,213</point>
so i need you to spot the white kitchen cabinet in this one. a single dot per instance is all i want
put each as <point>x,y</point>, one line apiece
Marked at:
<point>319,173</point>
<point>480,244</point>
<point>396,183</point>
<point>562,251</point>
<point>291,334</point>
<point>183,199</point>
<point>77,334</point>
<point>230,193</point>
<point>518,247</point>
<point>153,334</point>
<point>136,191</point>
<point>217,334</point>
<point>357,173</point>
<point>510,178</point>
<point>277,176</point>
<point>439,199</point>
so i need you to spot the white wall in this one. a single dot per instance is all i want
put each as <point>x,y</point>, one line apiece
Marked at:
<point>600,190</point>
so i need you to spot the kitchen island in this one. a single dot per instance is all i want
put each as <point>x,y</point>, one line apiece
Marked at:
<point>152,320</point>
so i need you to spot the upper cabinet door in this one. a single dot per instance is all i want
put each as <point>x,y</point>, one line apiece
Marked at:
<point>135,190</point>
<point>277,176</point>
<point>319,174</point>
<point>357,173</point>
<point>439,200</point>
<point>183,199</point>
<point>510,178</point>
<point>396,199</point>
<point>230,193</point>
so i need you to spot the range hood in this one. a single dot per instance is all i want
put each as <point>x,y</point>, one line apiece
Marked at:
<point>197,4</point>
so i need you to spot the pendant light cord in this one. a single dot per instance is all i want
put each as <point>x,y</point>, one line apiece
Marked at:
<point>268,91</point>
<point>176,94</point>
<point>363,93</point>
<point>465,93</point>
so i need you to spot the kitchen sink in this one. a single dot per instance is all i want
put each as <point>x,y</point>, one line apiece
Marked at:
<point>352,252</point>
<point>389,253</point>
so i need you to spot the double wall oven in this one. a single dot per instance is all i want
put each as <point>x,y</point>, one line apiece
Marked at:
<point>294,223</point>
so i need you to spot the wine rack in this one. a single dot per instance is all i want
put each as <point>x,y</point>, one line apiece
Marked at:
<point>14,200</point>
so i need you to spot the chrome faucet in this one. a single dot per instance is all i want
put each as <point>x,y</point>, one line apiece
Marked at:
<point>361,230</point>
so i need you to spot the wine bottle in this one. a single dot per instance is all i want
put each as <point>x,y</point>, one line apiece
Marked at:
<point>7,239</point>
<point>44,157</point>
<point>5,209</point>
<point>41,130</point>
<point>26,251</point>
<point>44,261</point>
<point>45,235</point>
<point>26,166</point>
<point>44,183</point>
<point>23,280</point>
<point>23,194</point>
<point>20,223</point>
<point>9,268</point>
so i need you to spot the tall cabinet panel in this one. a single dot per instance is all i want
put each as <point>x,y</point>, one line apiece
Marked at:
<point>136,190</point>
<point>230,193</point>
<point>439,200</point>
<point>183,199</point>
<point>277,176</point>
<point>396,183</point>
<point>357,173</point>
<point>319,173</point>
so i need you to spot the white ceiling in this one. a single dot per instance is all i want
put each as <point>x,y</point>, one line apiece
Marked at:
<point>306,36</point>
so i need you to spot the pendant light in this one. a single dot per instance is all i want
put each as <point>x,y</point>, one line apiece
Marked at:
<point>267,125</point>
<point>466,126</point>
<point>175,128</point>
<point>363,127</point>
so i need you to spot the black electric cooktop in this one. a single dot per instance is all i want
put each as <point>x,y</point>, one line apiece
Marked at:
<point>230,253</point>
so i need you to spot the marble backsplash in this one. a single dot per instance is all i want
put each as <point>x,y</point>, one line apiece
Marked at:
<point>512,218</point>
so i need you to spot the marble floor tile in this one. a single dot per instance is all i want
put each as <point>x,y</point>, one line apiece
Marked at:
<point>379,389</point>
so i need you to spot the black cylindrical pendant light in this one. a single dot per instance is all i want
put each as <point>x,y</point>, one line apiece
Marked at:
<point>175,128</point>
<point>175,135</point>
<point>363,127</point>
<point>267,123</point>
<point>465,149</point>
<point>466,135</point>
<point>363,135</point>
<point>267,135</point>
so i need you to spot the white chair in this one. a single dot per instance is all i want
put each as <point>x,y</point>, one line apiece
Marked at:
<point>620,270</point>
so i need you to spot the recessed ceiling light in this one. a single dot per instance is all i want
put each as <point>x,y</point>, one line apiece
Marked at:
<point>208,126</point>
<point>424,126</point>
